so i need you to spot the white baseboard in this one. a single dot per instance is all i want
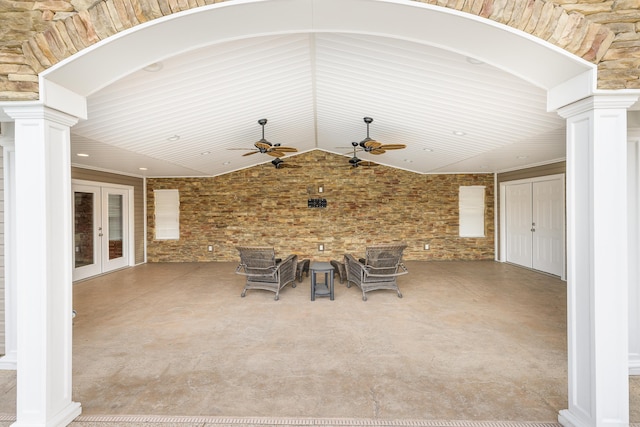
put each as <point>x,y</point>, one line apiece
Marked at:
<point>61,419</point>
<point>9,362</point>
<point>634,363</point>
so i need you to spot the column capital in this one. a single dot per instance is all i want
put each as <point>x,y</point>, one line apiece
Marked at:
<point>607,101</point>
<point>30,112</point>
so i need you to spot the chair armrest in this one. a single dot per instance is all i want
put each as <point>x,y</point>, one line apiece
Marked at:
<point>242,269</point>
<point>287,260</point>
<point>368,273</point>
<point>371,271</point>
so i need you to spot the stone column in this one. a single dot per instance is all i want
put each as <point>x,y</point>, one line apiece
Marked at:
<point>43,266</point>
<point>7,141</point>
<point>597,287</point>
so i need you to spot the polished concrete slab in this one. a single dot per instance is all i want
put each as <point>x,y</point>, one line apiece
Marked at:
<point>476,341</point>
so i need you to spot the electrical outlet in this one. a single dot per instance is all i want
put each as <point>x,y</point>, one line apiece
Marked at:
<point>426,246</point>
<point>210,248</point>
<point>321,247</point>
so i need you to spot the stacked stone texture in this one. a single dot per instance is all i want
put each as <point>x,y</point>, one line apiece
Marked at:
<point>37,34</point>
<point>266,206</point>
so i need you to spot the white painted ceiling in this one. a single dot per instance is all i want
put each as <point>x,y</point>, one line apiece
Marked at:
<point>315,89</point>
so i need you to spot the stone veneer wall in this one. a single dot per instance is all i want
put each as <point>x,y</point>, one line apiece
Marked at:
<point>267,206</point>
<point>35,35</point>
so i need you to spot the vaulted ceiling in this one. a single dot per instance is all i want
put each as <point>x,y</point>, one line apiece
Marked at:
<point>182,95</point>
<point>183,116</point>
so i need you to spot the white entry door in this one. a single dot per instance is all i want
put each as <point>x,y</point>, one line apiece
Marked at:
<point>518,224</point>
<point>548,226</point>
<point>101,230</point>
<point>534,224</point>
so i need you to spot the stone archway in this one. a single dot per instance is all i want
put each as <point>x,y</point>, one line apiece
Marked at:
<point>66,51</point>
<point>545,20</point>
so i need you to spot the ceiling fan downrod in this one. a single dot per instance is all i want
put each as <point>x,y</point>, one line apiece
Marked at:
<point>263,122</point>
<point>363,143</point>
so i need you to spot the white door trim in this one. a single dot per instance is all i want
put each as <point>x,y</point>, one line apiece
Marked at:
<point>130,250</point>
<point>95,267</point>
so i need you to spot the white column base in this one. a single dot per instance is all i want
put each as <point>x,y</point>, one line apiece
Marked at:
<point>61,419</point>
<point>567,419</point>
<point>634,366</point>
<point>9,362</point>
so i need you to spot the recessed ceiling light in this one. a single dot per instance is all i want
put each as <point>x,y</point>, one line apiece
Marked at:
<point>173,138</point>
<point>459,133</point>
<point>428,149</point>
<point>408,160</point>
<point>82,155</point>
<point>143,169</point>
<point>522,157</point>
<point>155,67</point>
<point>226,163</point>
<point>204,153</point>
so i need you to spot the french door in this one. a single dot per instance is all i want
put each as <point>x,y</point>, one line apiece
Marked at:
<point>533,224</point>
<point>101,229</point>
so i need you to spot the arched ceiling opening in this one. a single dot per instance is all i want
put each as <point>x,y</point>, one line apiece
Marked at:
<point>465,94</point>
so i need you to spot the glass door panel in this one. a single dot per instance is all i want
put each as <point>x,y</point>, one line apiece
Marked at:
<point>83,217</point>
<point>116,215</point>
<point>86,229</point>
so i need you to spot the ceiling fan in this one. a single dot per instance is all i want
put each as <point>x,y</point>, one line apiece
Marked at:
<point>372,146</point>
<point>265,147</point>
<point>355,162</point>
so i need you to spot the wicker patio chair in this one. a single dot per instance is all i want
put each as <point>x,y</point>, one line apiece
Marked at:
<point>303,268</point>
<point>379,270</point>
<point>339,269</point>
<point>264,271</point>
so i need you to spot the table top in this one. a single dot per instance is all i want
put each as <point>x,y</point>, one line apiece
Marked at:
<point>319,266</point>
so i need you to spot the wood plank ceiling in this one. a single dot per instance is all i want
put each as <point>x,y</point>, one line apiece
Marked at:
<point>181,116</point>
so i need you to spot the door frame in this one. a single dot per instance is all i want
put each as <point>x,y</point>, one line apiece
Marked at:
<point>503,216</point>
<point>130,250</point>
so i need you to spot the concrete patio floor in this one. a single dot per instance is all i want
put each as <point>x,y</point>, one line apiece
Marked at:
<point>472,341</point>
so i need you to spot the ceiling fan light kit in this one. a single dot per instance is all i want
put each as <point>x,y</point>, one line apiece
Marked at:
<point>370,145</point>
<point>280,164</point>
<point>265,147</point>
